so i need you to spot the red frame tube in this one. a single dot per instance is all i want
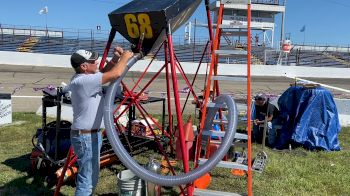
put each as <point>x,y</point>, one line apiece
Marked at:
<point>179,67</point>
<point>66,164</point>
<point>177,103</point>
<point>108,46</point>
<point>177,106</point>
<point>144,72</point>
<point>170,116</point>
<point>140,108</point>
<point>210,26</point>
<point>195,75</point>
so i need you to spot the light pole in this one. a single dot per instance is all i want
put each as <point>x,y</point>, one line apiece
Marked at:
<point>282,26</point>
<point>46,23</point>
<point>45,10</point>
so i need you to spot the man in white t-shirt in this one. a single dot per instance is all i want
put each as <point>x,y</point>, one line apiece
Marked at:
<point>87,103</point>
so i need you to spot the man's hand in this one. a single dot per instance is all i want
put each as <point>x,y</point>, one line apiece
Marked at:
<point>118,51</point>
<point>256,122</point>
<point>126,55</point>
<point>116,68</point>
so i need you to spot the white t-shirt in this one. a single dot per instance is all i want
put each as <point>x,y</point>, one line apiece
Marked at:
<point>87,101</point>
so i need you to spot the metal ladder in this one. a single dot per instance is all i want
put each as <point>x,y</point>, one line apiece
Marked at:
<point>206,132</point>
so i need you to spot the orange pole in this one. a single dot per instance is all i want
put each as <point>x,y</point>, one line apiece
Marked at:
<point>250,178</point>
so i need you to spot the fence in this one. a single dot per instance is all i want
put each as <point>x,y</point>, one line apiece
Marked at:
<point>65,41</point>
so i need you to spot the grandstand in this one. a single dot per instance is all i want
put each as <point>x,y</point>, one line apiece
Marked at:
<point>64,42</point>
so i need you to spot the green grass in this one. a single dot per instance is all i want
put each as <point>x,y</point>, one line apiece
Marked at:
<point>297,172</point>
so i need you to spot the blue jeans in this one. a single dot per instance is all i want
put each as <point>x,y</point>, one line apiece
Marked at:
<point>271,133</point>
<point>87,147</point>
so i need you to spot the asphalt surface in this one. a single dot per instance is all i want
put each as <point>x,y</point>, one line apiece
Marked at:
<point>25,83</point>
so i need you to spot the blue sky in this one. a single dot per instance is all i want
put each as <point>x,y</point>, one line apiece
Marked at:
<point>325,20</point>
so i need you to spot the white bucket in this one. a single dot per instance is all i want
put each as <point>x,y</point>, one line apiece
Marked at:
<point>129,184</point>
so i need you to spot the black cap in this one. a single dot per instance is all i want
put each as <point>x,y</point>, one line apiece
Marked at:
<point>81,56</point>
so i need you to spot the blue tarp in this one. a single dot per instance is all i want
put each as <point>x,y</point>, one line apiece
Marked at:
<point>310,119</point>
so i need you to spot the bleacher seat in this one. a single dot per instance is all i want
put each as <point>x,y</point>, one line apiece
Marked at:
<point>185,53</point>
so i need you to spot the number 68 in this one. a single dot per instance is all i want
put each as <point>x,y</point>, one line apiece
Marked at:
<point>134,30</point>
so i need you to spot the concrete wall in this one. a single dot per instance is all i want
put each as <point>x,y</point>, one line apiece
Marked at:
<point>33,59</point>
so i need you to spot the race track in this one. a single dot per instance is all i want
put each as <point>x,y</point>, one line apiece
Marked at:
<point>25,84</point>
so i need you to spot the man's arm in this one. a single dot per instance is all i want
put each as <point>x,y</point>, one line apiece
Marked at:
<point>118,51</point>
<point>116,69</point>
<point>270,112</point>
<point>258,122</point>
<point>269,119</point>
<point>108,66</point>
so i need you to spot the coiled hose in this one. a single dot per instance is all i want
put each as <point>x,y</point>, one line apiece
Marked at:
<point>183,178</point>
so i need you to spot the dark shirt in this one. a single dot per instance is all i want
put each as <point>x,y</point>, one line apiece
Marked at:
<point>260,111</point>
